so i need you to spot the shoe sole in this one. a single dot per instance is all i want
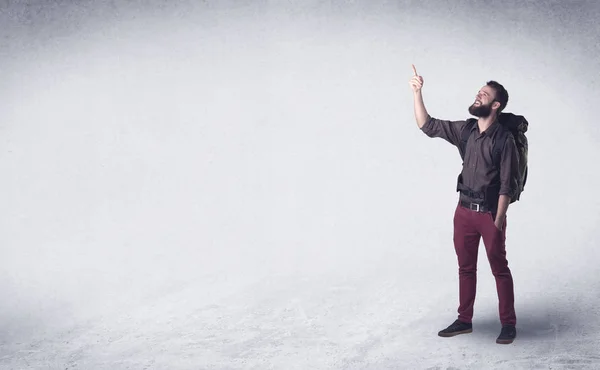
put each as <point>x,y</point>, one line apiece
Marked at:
<point>447,335</point>
<point>504,341</point>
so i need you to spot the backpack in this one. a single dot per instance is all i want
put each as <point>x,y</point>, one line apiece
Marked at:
<point>514,125</point>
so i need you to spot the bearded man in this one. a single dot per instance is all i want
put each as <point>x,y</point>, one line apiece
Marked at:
<point>485,193</point>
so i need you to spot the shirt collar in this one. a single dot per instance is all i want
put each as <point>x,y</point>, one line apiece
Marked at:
<point>490,131</point>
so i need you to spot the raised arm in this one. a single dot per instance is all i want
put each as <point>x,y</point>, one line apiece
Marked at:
<point>433,127</point>
<point>416,83</point>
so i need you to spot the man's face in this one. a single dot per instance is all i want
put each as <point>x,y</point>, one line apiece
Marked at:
<point>482,106</point>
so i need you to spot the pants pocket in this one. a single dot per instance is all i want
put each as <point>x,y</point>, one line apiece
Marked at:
<point>493,220</point>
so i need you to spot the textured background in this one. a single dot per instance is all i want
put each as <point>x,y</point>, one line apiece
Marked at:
<point>223,185</point>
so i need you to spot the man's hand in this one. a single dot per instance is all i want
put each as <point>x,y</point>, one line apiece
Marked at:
<point>499,222</point>
<point>503,203</point>
<point>416,82</point>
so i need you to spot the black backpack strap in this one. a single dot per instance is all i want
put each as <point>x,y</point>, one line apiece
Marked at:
<point>468,192</point>
<point>464,137</point>
<point>462,149</point>
<point>499,146</point>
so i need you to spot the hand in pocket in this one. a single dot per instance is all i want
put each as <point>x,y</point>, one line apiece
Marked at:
<point>499,222</point>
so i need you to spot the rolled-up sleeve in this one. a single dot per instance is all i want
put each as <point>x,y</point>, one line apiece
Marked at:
<point>509,168</point>
<point>444,129</point>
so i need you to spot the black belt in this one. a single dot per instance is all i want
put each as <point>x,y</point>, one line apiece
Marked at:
<point>475,206</point>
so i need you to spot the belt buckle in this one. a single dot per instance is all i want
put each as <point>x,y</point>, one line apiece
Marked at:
<point>477,207</point>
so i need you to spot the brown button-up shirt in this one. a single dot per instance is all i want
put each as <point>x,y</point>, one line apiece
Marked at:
<point>478,169</point>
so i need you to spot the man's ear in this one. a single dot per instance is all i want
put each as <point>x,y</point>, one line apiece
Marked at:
<point>496,105</point>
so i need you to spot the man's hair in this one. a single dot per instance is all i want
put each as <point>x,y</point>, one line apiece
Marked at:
<point>501,94</point>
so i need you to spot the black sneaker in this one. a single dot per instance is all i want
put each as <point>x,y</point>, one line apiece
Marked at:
<point>507,335</point>
<point>457,327</point>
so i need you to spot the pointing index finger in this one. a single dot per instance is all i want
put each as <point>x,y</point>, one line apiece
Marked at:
<point>414,69</point>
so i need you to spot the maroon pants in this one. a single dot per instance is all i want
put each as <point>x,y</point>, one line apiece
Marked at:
<point>469,227</point>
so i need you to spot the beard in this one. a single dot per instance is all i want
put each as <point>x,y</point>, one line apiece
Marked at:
<point>481,111</point>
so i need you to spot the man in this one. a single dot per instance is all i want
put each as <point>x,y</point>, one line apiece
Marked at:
<point>485,193</point>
